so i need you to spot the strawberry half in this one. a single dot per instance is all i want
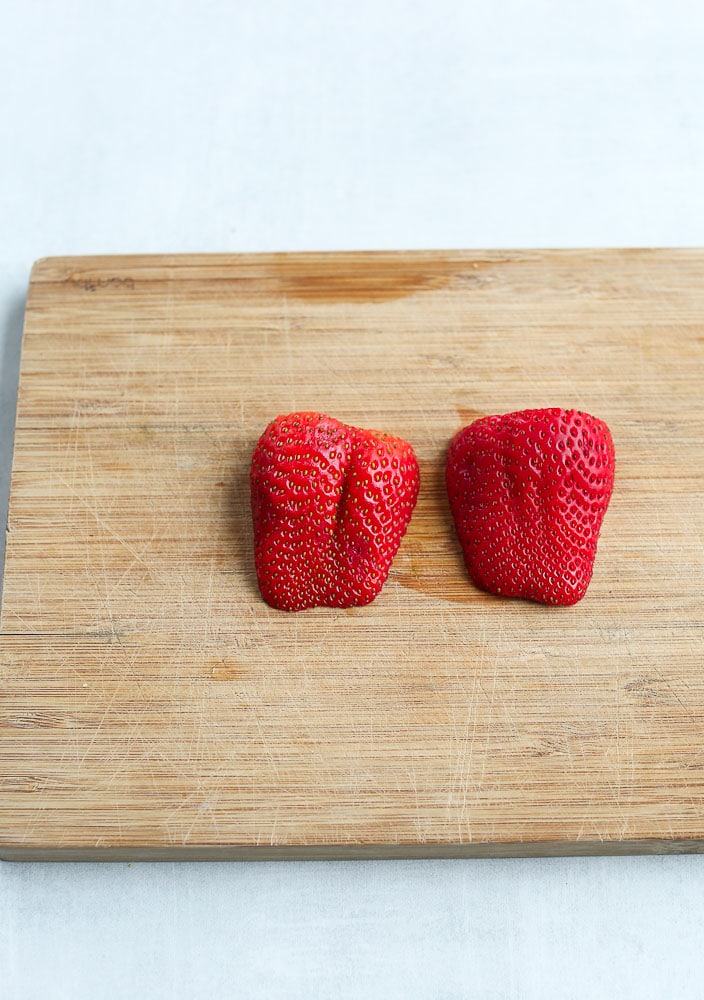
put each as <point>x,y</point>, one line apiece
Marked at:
<point>330,505</point>
<point>528,492</point>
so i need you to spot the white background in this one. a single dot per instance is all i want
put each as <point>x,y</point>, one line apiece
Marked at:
<point>250,125</point>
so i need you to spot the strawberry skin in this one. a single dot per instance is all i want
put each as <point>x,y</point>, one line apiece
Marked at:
<point>330,505</point>
<point>528,492</point>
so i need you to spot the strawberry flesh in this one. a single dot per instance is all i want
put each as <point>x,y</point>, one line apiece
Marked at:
<point>330,505</point>
<point>528,492</point>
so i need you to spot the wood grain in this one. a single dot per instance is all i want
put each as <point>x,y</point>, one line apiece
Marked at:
<point>152,706</point>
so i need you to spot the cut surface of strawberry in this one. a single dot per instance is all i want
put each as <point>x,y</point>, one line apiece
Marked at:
<point>330,505</point>
<point>528,492</point>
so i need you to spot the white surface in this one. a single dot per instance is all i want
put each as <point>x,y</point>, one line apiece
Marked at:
<point>258,125</point>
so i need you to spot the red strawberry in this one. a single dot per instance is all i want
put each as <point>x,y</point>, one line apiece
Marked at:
<point>528,492</point>
<point>330,505</point>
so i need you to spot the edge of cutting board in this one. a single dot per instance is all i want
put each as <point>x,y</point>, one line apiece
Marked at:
<point>354,852</point>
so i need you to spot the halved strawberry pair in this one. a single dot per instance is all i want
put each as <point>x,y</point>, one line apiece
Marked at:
<point>331,503</point>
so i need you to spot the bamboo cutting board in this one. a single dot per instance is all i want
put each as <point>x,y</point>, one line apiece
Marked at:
<point>152,706</point>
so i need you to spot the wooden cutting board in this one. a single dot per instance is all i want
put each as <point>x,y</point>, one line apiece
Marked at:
<point>152,706</point>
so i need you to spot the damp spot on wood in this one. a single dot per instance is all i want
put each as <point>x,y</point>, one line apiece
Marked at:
<point>466,415</point>
<point>226,670</point>
<point>378,277</point>
<point>429,561</point>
